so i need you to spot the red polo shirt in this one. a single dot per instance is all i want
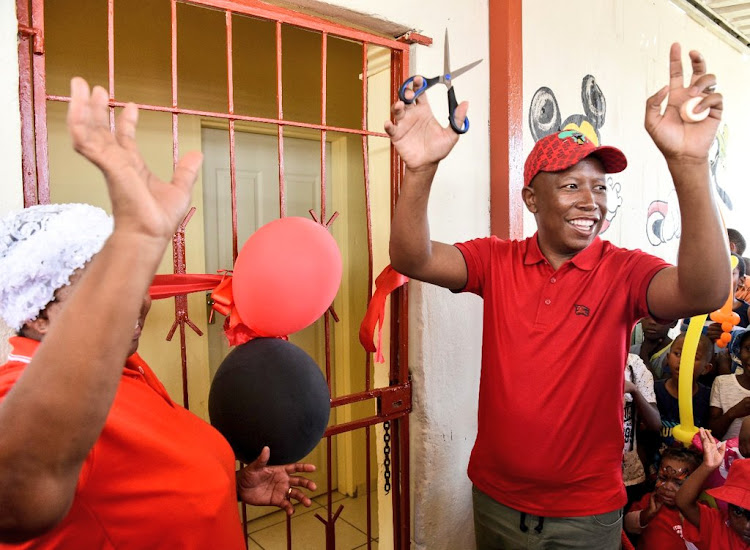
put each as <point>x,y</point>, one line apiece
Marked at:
<point>550,429</point>
<point>157,477</point>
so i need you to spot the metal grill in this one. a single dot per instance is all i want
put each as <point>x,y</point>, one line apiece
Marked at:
<point>392,402</point>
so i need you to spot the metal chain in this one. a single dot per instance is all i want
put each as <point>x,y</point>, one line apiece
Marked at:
<point>387,454</point>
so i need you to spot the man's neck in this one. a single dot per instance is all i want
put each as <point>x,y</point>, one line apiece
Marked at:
<point>554,259</point>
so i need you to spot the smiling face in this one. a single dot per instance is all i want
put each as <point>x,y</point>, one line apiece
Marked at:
<point>569,207</point>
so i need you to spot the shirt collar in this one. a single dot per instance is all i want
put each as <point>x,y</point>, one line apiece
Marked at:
<point>585,260</point>
<point>25,348</point>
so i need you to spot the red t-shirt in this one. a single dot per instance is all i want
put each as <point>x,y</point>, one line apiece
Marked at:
<point>664,532</point>
<point>550,429</point>
<point>714,533</point>
<point>157,477</point>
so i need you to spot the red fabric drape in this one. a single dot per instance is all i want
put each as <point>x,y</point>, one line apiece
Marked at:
<point>388,281</point>
<point>166,286</point>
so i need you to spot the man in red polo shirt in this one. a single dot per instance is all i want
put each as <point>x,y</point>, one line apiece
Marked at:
<point>575,299</point>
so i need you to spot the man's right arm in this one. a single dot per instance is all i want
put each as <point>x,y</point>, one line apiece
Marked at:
<point>412,251</point>
<point>422,143</point>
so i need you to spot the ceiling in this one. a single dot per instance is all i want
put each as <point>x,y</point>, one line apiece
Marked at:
<point>732,16</point>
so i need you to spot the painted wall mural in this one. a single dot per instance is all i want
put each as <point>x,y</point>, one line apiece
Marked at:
<point>663,213</point>
<point>545,118</point>
<point>663,216</point>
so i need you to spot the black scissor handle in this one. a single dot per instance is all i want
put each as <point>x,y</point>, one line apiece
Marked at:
<point>452,104</point>
<point>426,83</point>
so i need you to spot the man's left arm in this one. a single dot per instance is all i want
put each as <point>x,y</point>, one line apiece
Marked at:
<point>700,281</point>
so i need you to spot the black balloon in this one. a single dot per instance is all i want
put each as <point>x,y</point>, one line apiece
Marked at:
<point>270,392</point>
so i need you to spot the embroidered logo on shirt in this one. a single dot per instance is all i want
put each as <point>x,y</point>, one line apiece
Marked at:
<point>581,310</point>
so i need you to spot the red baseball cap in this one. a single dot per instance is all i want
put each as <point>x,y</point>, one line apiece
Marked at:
<point>561,150</point>
<point>736,489</point>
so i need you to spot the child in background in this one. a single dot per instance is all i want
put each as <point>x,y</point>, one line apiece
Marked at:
<point>708,527</point>
<point>729,359</point>
<point>655,517</point>
<point>723,362</point>
<point>667,390</point>
<point>655,346</point>
<point>738,306</point>
<point>640,407</point>
<point>730,395</point>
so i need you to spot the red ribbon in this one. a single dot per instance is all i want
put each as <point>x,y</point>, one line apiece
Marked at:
<point>388,281</point>
<point>236,331</point>
<point>174,284</point>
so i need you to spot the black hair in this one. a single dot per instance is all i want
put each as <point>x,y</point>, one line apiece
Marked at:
<point>738,240</point>
<point>703,340</point>
<point>688,455</point>
<point>740,264</point>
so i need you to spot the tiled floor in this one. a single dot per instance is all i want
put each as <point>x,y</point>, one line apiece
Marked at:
<point>308,532</point>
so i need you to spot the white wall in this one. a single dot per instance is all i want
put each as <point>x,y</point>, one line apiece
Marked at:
<point>11,191</point>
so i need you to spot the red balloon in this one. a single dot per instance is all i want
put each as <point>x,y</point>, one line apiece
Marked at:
<point>286,276</point>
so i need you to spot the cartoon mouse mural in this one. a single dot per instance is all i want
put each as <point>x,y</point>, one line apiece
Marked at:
<point>545,119</point>
<point>663,216</point>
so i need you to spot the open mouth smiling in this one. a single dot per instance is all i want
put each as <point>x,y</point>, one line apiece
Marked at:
<point>585,225</point>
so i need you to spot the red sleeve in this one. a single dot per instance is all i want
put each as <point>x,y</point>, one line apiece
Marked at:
<point>476,253</point>
<point>644,269</point>
<point>711,522</point>
<point>641,504</point>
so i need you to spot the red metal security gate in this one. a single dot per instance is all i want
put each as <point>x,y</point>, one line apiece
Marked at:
<point>393,403</point>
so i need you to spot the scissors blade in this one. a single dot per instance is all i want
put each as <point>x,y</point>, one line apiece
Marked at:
<point>462,70</point>
<point>446,56</point>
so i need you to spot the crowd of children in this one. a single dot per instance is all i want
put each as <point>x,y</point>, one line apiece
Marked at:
<point>664,479</point>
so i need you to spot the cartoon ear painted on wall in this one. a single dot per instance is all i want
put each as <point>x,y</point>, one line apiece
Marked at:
<point>594,104</point>
<point>544,114</point>
<point>594,108</point>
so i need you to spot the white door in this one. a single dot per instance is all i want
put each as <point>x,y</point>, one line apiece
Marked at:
<point>257,181</point>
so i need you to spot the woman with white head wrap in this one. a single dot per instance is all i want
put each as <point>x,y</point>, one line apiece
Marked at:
<point>94,455</point>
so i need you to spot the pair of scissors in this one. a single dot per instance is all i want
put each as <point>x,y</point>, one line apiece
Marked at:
<point>445,78</point>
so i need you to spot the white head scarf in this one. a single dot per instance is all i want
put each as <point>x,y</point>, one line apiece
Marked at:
<point>40,248</point>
